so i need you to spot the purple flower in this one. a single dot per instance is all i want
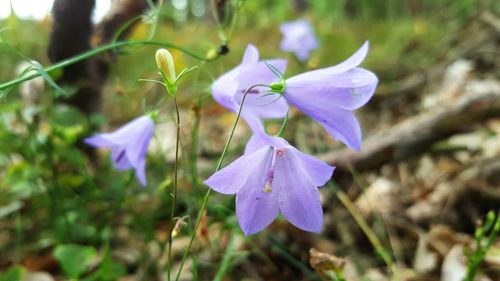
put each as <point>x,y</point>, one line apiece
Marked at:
<point>228,89</point>
<point>329,96</point>
<point>274,177</point>
<point>128,145</point>
<point>298,38</point>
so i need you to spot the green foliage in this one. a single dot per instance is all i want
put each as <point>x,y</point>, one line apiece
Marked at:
<point>74,259</point>
<point>485,235</point>
<point>57,199</point>
<point>15,273</point>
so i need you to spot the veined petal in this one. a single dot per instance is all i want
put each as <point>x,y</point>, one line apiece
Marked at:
<point>259,73</point>
<point>346,90</point>
<point>255,208</point>
<point>244,172</point>
<point>350,63</point>
<point>299,200</point>
<point>256,141</point>
<point>318,171</point>
<point>339,123</point>
<point>259,140</point>
<point>226,86</point>
<point>123,135</point>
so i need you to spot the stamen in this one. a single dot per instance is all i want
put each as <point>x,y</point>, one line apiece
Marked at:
<point>270,175</point>
<point>268,187</point>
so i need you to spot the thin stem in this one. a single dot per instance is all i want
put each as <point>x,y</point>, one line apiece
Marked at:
<point>349,205</point>
<point>226,261</point>
<point>219,164</point>
<point>174,196</point>
<point>194,143</point>
<point>103,49</point>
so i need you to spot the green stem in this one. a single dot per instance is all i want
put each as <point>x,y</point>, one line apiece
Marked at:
<point>103,49</point>
<point>174,196</point>
<point>377,244</point>
<point>207,195</point>
<point>194,144</point>
<point>226,261</point>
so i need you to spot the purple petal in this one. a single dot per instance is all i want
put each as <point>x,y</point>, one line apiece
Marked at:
<point>123,134</point>
<point>350,63</point>
<point>259,73</point>
<point>299,200</point>
<point>318,171</point>
<point>241,173</point>
<point>224,88</point>
<point>251,55</point>
<point>140,172</point>
<point>259,140</point>
<point>253,121</point>
<point>256,142</point>
<point>255,208</point>
<point>346,90</point>
<point>339,123</point>
<point>120,158</point>
<point>137,147</point>
<point>97,141</point>
<point>298,38</point>
<point>264,105</point>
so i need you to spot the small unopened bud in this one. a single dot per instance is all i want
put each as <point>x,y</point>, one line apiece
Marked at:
<point>165,62</point>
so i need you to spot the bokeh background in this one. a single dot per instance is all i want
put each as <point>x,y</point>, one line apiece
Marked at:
<point>405,208</point>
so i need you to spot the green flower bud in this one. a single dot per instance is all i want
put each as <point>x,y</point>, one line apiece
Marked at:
<point>165,63</point>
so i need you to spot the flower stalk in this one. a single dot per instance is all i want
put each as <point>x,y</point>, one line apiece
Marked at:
<point>219,164</point>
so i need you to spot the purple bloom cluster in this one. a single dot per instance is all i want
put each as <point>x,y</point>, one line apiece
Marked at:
<point>272,176</point>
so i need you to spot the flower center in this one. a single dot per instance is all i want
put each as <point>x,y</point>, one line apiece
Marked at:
<point>280,152</point>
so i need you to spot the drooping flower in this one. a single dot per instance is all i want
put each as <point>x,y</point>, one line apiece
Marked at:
<point>229,88</point>
<point>128,145</point>
<point>298,38</point>
<point>329,95</point>
<point>272,177</point>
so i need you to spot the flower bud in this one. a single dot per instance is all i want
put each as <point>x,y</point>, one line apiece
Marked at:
<point>165,63</point>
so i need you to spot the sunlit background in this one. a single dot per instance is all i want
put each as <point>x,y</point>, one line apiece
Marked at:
<point>39,9</point>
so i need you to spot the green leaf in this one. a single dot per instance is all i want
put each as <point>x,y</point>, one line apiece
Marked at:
<point>38,67</point>
<point>15,273</point>
<point>74,259</point>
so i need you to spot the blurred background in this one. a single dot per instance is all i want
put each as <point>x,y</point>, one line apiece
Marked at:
<point>404,208</point>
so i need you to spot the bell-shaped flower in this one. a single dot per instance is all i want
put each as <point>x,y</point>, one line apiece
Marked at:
<point>229,88</point>
<point>272,177</point>
<point>329,95</point>
<point>298,37</point>
<point>128,145</point>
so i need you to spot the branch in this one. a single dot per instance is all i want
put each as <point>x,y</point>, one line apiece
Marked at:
<point>415,135</point>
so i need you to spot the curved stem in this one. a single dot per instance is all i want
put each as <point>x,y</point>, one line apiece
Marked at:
<point>103,49</point>
<point>219,164</point>
<point>174,195</point>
